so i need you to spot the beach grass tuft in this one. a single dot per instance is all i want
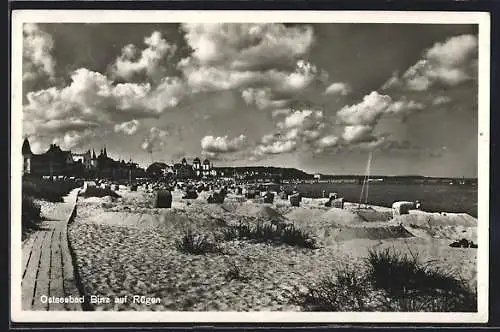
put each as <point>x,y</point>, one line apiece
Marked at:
<point>345,291</point>
<point>418,286</point>
<point>277,233</point>
<point>196,244</point>
<point>393,281</point>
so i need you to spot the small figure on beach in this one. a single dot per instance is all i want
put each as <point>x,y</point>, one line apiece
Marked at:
<point>418,205</point>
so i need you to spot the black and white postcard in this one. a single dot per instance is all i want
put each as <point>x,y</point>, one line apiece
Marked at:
<point>260,166</point>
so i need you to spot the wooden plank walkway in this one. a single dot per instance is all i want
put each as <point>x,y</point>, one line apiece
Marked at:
<point>47,263</point>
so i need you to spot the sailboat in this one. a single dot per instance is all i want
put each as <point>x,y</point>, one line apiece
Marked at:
<point>365,186</point>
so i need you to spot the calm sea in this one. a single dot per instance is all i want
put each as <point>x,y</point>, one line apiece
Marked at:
<point>434,197</point>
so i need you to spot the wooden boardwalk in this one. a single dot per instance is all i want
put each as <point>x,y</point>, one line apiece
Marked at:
<point>47,263</point>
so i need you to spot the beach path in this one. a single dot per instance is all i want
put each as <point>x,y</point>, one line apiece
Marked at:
<point>47,265</point>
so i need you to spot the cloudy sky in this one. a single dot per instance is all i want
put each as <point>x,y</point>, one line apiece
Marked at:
<point>318,97</point>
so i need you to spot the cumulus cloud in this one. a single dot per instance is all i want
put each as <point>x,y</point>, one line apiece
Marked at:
<point>367,112</point>
<point>305,73</point>
<point>276,147</point>
<point>37,53</point>
<point>373,107</point>
<point>211,78</point>
<point>92,101</point>
<point>228,56</point>
<point>299,129</point>
<point>129,127</point>
<point>338,88</point>
<point>262,98</point>
<point>404,107</point>
<point>73,137</point>
<point>302,119</point>
<point>215,145</point>
<point>327,141</point>
<point>129,63</point>
<point>247,46</point>
<point>441,100</point>
<point>358,133</point>
<point>154,140</point>
<point>360,119</point>
<point>281,112</point>
<point>447,63</point>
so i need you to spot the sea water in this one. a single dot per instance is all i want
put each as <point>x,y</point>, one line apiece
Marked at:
<point>434,197</point>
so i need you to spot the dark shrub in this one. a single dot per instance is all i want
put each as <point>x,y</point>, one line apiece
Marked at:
<point>98,192</point>
<point>49,190</point>
<point>30,214</point>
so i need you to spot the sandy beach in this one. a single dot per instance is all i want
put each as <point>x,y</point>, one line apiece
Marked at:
<point>124,246</point>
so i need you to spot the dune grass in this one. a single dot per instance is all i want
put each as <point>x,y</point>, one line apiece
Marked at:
<point>261,232</point>
<point>393,281</point>
<point>196,244</point>
<point>277,233</point>
<point>416,285</point>
<point>344,291</point>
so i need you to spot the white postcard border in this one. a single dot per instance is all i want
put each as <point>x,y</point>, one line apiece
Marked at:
<point>107,16</point>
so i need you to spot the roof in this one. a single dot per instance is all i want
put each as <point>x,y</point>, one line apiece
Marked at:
<point>206,161</point>
<point>196,160</point>
<point>54,148</point>
<point>55,151</point>
<point>26,147</point>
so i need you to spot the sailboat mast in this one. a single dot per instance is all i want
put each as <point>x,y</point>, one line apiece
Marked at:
<point>368,177</point>
<point>365,182</point>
